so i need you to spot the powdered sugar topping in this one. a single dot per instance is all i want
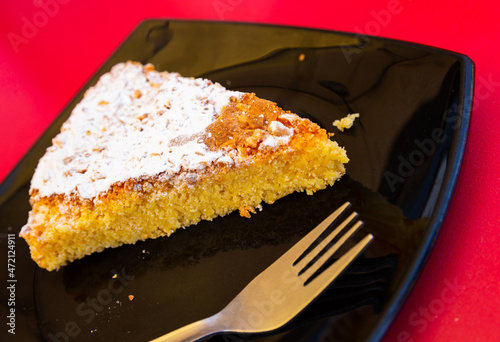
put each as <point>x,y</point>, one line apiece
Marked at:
<point>280,134</point>
<point>134,122</point>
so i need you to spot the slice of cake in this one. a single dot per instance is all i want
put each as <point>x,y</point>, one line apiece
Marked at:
<point>146,152</point>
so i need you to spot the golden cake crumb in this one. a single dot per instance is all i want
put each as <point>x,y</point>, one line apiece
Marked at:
<point>346,122</point>
<point>246,210</point>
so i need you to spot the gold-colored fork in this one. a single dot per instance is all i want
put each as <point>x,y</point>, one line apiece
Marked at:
<point>285,288</point>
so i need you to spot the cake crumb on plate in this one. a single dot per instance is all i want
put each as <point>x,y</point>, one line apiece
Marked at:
<point>347,122</point>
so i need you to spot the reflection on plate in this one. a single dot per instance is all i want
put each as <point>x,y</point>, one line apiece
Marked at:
<point>405,153</point>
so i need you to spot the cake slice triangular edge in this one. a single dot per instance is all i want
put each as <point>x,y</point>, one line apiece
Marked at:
<point>146,152</point>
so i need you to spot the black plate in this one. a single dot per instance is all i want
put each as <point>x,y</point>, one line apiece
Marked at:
<point>405,153</point>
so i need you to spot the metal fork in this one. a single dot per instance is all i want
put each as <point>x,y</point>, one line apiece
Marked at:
<point>285,288</point>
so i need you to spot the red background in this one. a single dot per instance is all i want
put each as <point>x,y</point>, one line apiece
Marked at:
<point>457,296</point>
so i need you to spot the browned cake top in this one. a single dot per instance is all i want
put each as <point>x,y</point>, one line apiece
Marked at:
<point>250,125</point>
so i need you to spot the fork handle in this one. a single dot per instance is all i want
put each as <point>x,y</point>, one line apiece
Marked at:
<point>192,332</point>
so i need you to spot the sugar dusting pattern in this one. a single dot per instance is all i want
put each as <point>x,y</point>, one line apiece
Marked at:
<point>134,122</point>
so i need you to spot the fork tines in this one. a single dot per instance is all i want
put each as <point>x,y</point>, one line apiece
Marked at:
<point>318,248</point>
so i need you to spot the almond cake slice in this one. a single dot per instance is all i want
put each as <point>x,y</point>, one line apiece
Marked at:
<point>146,152</point>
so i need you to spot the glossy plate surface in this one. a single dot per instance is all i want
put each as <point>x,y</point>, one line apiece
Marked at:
<point>405,153</point>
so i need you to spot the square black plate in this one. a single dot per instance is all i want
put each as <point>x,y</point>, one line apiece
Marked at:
<point>405,153</point>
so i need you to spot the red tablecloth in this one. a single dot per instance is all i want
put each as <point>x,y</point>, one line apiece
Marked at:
<point>49,48</point>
